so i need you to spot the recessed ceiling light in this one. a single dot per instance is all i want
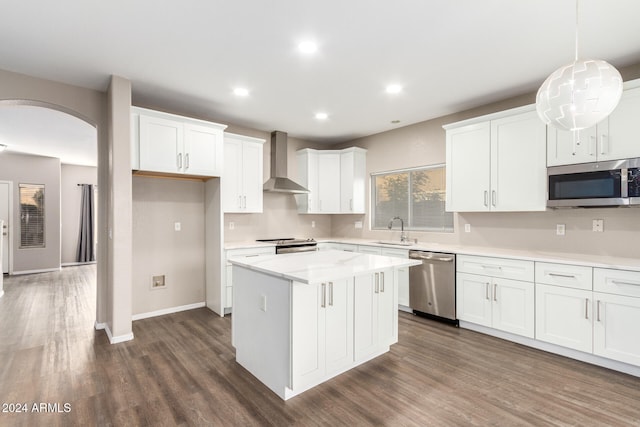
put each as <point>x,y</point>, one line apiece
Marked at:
<point>394,89</point>
<point>322,116</point>
<point>308,47</point>
<point>241,91</point>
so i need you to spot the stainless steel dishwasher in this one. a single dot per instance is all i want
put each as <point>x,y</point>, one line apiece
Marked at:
<point>432,285</point>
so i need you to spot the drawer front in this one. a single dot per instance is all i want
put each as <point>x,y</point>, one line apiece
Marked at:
<point>619,282</point>
<point>397,253</point>
<point>570,276</point>
<point>496,267</point>
<point>374,250</point>
<point>247,252</point>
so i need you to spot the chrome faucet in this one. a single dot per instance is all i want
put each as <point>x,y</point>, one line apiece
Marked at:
<point>403,237</point>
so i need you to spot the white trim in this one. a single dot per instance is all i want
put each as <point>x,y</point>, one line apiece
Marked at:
<point>556,349</point>
<point>44,270</point>
<point>74,264</point>
<point>491,116</point>
<point>10,229</point>
<point>169,310</point>
<point>117,339</point>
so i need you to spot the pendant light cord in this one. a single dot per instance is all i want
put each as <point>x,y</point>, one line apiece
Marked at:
<point>576,53</point>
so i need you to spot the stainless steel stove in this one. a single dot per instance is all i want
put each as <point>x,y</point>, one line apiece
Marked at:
<point>290,245</point>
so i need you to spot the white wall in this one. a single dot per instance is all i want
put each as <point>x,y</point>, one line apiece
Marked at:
<point>158,249</point>
<point>71,196</point>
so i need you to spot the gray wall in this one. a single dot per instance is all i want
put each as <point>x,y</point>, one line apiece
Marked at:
<point>23,169</point>
<point>71,197</point>
<point>160,250</point>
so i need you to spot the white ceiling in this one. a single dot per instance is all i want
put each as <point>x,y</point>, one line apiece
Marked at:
<point>187,56</point>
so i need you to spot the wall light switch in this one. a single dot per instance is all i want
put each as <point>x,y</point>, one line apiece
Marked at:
<point>313,224</point>
<point>232,226</point>
<point>598,225</point>
<point>177,226</point>
<point>560,229</point>
<point>467,228</point>
<point>358,224</point>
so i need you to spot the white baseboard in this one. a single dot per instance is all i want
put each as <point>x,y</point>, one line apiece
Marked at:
<point>169,310</point>
<point>74,264</point>
<point>44,270</point>
<point>556,349</point>
<point>112,339</point>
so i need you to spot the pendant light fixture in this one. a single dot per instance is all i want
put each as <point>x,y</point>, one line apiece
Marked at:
<point>579,95</point>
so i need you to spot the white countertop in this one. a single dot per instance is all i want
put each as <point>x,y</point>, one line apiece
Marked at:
<point>321,266</point>
<point>602,261</point>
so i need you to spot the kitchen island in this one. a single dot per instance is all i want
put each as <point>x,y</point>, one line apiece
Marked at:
<point>300,319</point>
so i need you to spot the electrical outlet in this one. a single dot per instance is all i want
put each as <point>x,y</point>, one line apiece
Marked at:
<point>467,228</point>
<point>358,224</point>
<point>232,226</point>
<point>598,225</point>
<point>313,224</point>
<point>177,226</point>
<point>560,229</point>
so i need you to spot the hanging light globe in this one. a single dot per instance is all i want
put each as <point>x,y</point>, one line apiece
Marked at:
<point>579,95</point>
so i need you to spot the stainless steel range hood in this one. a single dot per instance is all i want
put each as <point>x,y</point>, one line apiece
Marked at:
<point>279,181</point>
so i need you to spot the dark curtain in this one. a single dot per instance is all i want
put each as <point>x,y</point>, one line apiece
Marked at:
<point>86,245</point>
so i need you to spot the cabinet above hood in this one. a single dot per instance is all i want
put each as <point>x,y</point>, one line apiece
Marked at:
<point>279,181</point>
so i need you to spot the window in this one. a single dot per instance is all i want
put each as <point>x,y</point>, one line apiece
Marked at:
<point>415,195</point>
<point>31,216</point>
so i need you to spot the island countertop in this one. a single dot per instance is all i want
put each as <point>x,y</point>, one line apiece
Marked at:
<point>319,266</point>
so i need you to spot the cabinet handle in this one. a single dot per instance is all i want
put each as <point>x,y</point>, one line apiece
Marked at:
<point>239,202</point>
<point>179,160</point>
<point>586,308</point>
<point>618,282</point>
<point>377,288</point>
<point>244,200</point>
<point>493,198</point>
<point>186,161</point>
<point>351,204</point>
<point>566,276</point>
<point>491,267</point>
<point>603,138</point>
<point>495,292</point>
<point>323,303</point>
<point>320,205</point>
<point>486,291</point>
<point>486,198</point>
<point>330,293</point>
<point>382,282</point>
<point>598,311</point>
<point>592,144</point>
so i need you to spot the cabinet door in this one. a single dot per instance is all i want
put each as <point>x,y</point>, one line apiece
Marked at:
<point>231,181</point>
<point>403,286</point>
<point>615,330</point>
<point>518,163</point>
<point>307,334</point>
<point>564,317</point>
<point>473,298</point>
<point>373,250</point>
<point>620,142</point>
<point>308,178</point>
<point>203,150</point>
<point>352,181</point>
<point>252,177</point>
<point>328,182</point>
<point>339,324</point>
<point>468,168</point>
<point>161,145</point>
<point>513,306</point>
<point>365,316</point>
<point>562,149</point>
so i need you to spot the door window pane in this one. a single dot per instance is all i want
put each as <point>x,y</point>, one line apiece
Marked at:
<point>31,216</point>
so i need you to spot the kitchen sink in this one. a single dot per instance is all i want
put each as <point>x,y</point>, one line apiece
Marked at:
<point>393,242</point>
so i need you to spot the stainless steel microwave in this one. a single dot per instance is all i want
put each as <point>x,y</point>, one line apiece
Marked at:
<point>610,183</point>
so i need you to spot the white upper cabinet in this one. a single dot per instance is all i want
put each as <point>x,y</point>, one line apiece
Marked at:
<point>242,177</point>
<point>170,144</point>
<point>497,164</point>
<point>613,138</point>
<point>336,180</point>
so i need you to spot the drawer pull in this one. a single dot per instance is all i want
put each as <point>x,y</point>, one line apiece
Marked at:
<point>323,302</point>
<point>598,311</point>
<point>330,293</point>
<point>566,276</point>
<point>495,292</point>
<point>382,282</point>
<point>486,291</point>
<point>493,267</point>
<point>377,289</point>
<point>619,282</point>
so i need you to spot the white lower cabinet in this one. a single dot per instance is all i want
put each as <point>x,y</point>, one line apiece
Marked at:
<point>615,327</point>
<point>564,316</point>
<point>503,298</point>
<point>376,313</point>
<point>227,279</point>
<point>402,274</point>
<point>322,330</point>
<point>503,304</point>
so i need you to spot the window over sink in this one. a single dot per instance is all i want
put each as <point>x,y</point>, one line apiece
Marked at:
<point>416,195</point>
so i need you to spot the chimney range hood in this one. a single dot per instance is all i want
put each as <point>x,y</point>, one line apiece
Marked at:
<point>279,182</point>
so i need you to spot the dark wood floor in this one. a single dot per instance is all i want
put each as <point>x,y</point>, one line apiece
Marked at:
<point>180,370</point>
